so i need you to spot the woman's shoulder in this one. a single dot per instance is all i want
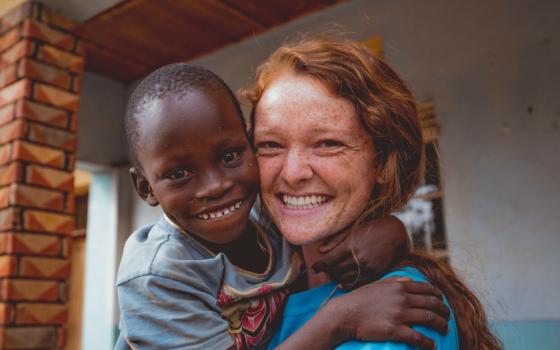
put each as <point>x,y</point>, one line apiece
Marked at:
<point>449,341</point>
<point>407,271</point>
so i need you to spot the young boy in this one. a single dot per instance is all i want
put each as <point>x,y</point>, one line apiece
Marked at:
<point>204,276</point>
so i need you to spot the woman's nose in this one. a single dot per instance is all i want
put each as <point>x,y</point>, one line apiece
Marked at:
<point>296,168</point>
<point>212,184</point>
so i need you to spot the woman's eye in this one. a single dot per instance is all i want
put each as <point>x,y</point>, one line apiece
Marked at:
<point>231,157</point>
<point>330,143</point>
<point>178,174</point>
<point>268,148</point>
<point>268,145</point>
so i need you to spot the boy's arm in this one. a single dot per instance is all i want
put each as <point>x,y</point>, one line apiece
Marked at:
<point>375,246</point>
<point>162,313</point>
<point>379,311</point>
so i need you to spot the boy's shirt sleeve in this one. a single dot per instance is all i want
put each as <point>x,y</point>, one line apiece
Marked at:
<point>162,313</point>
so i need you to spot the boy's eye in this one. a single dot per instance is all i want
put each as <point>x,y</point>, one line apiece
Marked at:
<point>231,157</point>
<point>178,174</point>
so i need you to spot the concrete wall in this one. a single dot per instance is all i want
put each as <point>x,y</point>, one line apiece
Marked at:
<point>101,137</point>
<point>492,69</point>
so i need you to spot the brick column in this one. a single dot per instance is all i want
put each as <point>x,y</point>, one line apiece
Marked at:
<point>41,64</point>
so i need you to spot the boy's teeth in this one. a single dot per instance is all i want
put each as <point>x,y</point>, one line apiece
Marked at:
<point>303,202</point>
<point>220,213</point>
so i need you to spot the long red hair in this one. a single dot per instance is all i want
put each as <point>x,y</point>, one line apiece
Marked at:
<point>387,110</point>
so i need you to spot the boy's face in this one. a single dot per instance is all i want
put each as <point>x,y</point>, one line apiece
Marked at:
<point>197,164</point>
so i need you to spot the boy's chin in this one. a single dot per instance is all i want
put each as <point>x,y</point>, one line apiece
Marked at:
<point>219,231</point>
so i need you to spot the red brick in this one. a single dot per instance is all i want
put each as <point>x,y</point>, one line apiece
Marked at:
<point>23,338</point>
<point>80,50</point>
<point>16,15</point>
<point>29,290</point>
<point>60,58</point>
<point>39,71</point>
<point>71,162</point>
<point>8,265</point>
<point>12,131</point>
<point>74,122</point>
<point>9,38</point>
<point>4,243</point>
<point>42,221</point>
<point>41,314</point>
<point>77,84</point>
<point>7,113</point>
<point>67,247</point>
<point>8,75</point>
<point>14,91</point>
<point>33,197</point>
<point>70,203</point>
<point>55,20</point>
<point>44,267</point>
<point>4,197</point>
<point>56,97</point>
<point>63,292</point>
<point>52,137</point>
<point>40,31</point>
<point>21,49</point>
<point>6,313</point>
<point>42,113</point>
<point>5,153</point>
<point>10,173</point>
<point>61,337</point>
<point>51,178</point>
<point>31,244</point>
<point>9,219</point>
<point>37,154</point>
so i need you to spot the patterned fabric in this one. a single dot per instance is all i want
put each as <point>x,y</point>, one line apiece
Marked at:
<point>251,322</point>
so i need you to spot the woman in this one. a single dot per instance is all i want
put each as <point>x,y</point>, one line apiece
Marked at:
<point>338,142</point>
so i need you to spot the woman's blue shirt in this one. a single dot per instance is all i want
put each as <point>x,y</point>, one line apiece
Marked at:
<point>302,306</point>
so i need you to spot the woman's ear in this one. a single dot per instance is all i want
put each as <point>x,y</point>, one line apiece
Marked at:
<point>143,187</point>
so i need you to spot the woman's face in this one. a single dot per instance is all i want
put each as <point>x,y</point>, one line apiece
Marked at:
<point>315,159</point>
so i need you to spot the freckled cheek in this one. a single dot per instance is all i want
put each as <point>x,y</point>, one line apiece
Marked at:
<point>333,171</point>
<point>269,169</point>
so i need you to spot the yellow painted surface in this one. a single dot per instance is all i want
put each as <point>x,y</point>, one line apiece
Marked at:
<point>7,5</point>
<point>82,180</point>
<point>76,294</point>
<point>375,43</point>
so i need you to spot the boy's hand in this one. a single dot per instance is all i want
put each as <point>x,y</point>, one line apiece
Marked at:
<point>385,310</point>
<point>375,245</point>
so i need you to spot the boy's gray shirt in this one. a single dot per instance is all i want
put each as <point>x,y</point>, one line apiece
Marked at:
<point>176,294</point>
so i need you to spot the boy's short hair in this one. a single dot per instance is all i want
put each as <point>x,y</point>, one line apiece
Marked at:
<point>175,78</point>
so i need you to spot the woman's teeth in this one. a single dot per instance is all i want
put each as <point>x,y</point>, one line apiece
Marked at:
<point>220,213</point>
<point>303,202</point>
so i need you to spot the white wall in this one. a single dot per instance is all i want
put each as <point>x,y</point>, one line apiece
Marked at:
<point>485,64</point>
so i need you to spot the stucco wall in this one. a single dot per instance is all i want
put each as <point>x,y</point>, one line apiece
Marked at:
<point>491,67</point>
<point>101,121</point>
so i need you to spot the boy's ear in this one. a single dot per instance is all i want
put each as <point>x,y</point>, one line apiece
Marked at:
<point>143,187</point>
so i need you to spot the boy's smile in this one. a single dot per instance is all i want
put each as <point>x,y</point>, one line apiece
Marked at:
<point>197,163</point>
